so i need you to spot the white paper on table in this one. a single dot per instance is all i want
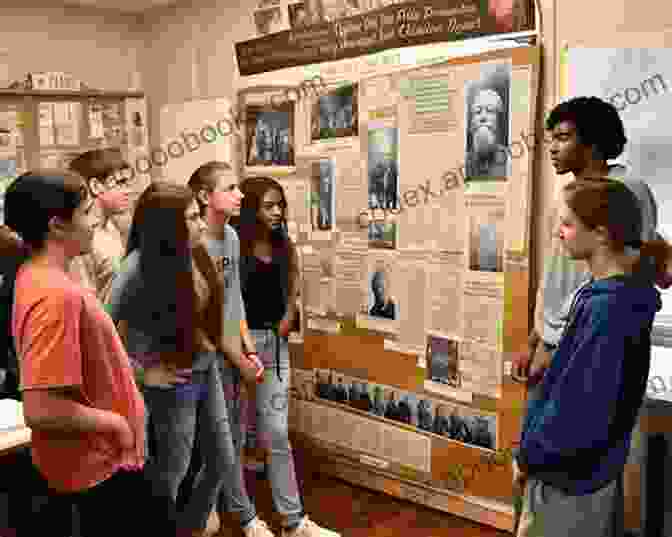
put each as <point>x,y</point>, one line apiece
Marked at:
<point>11,415</point>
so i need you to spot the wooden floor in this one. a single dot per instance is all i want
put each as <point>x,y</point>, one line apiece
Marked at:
<point>357,512</point>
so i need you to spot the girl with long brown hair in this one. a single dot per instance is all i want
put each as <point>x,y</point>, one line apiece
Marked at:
<point>162,296</point>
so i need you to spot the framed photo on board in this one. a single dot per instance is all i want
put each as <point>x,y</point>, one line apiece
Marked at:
<point>335,115</point>
<point>268,132</point>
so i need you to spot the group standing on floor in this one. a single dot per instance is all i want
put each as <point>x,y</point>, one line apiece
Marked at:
<point>131,352</point>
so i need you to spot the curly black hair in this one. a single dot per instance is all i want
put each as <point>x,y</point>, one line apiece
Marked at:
<point>597,124</point>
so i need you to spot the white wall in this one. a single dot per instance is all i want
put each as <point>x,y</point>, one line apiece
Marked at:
<point>98,47</point>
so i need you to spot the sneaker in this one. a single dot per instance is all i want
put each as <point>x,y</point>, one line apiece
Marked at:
<point>306,528</point>
<point>258,528</point>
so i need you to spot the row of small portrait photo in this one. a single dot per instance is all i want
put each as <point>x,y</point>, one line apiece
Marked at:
<point>450,420</point>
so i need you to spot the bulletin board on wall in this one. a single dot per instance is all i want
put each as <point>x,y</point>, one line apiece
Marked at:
<point>409,199</point>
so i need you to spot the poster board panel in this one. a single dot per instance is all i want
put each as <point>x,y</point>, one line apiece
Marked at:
<point>372,383</point>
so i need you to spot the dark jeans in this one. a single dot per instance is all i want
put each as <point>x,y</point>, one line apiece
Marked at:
<point>33,506</point>
<point>187,485</point>
<point>125,504</point>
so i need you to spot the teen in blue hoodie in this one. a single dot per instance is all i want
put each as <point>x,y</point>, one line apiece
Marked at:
<point>576,434</point>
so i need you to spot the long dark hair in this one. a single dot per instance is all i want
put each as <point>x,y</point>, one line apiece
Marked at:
<point>609,203</point>
<point>250,227</point>
<point>31,201</point>
<point>159,232</point>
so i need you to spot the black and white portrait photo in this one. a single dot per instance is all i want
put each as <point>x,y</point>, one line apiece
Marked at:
<point>383,168</point>
<point>483,431</point>
<point>323,204</point>
<point>270,136</point>
<point>488,120</point>
<point>443,361</point>
<point>441,423</point>
<point>335,115</point>
<point>381,303</point>
<point>298,16</point>
<point>269,21</point>
<point>486,241</point>
<point>425,415</point>
<point>323,386</point>
<point>382,234</point>
<point>378,402</point>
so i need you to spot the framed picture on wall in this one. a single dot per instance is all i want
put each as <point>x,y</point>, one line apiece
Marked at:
<point>268,132</point>
<point>335,115</point>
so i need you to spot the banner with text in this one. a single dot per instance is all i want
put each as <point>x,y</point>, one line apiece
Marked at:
<point>395,26</point>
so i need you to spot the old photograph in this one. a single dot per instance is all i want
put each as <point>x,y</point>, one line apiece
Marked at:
<point>486,241</point>
<point>270,136</point>
<point>425,414</point>
<point>465,425</point>
<point>359,395</point>
<point>381,300</point>
<point>443,361</point>
<point>410,400</point>
<point>383,168</point>
<point>484,430</point>
<point>378,402</point>
<point>340,388</point>
<point>488,120</point>
<point>335,115</point>
<point>298,17</point>
<point>269,21</point>
<point>323,384</point>
<point>323,201</point>
<point>382,235</point>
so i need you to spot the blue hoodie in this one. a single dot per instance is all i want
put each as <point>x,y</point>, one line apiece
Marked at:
<point>576,435</point>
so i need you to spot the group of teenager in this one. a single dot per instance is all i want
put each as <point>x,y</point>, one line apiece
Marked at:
<point>132,346</point>
<point>124,372</point>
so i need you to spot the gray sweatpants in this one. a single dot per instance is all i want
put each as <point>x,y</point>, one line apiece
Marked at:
<point>549,512</point>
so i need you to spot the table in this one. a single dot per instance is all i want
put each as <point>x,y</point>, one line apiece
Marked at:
<point>13,432</point>
<point>13,439</point>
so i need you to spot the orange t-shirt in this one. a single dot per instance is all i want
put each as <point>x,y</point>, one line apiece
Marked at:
<point>64,338</point>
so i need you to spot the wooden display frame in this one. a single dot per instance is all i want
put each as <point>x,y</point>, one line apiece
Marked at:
<point>463,479</point>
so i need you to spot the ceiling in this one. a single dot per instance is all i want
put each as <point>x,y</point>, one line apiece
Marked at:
<point>131,6</point>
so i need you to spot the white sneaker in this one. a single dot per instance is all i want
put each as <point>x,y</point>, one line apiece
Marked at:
<point>258,528</point>
<point>307,528</point>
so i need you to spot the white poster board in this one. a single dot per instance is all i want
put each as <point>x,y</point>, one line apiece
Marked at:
<point>193,133</point>
<point>637,81</point>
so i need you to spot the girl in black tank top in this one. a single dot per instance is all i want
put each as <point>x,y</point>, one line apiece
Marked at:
<point>269,282</point>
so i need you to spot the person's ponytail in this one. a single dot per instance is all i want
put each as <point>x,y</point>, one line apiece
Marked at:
<point>659,252</point>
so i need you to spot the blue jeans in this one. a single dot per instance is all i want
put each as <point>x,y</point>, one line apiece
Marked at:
<point>272,398</point>
<point>177,414</point>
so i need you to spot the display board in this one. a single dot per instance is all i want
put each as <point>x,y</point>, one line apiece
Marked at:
<point>409,197</point>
